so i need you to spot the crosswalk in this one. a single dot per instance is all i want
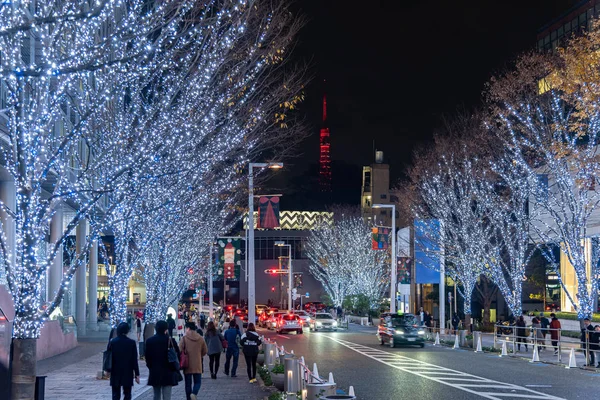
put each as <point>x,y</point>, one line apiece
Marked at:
<point>474,384</point>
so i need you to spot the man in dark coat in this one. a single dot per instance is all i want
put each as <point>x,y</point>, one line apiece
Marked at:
<point>162,376</point>
<point>124,366</point>
<point>171,324</point>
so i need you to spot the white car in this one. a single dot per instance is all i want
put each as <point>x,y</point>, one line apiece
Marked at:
<point>304,316</point>
<point>322,321</point>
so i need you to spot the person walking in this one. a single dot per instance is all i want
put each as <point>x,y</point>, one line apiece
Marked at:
<point>194,347</point>
<point>538,334</point>
<point>595,343</point>
<point>455,322</point>
<point>162,377</point>
<point>555,328</point>
<point>545,322</point>
<point>521,333</point>
<point>232,335</point>
<point>214,342</point>
<point>250,342</point>
<point>138,327</point>
<point>124,364</point>
<point>586,341</point>
<point>170,324</point>
<point>202,320</point>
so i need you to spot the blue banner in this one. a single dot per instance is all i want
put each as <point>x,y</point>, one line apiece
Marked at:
<point>427,251</point>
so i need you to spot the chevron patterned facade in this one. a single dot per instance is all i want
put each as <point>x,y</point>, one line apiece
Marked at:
<point>298,220</point>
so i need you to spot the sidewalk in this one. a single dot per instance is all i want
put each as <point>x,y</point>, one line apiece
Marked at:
<point>72,375</point>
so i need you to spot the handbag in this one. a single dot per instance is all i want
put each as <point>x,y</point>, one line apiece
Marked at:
<point>183,357</point>
<point>178,376</point>
<point>223,342</point>
<point>107,360</point>
<point>172,356</point>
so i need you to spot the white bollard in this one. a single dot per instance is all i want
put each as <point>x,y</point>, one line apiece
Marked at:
<point>572,361</point>
<point>331,378</point>
<point>504,352</point>
<point>456,346</point>
<point>302,359</point>
<point>536,356</point>
<point>315,371</point>
<point>277,352</point>
<point>291,351</point>
<point>437,339</point>
<point>478,349</point>
<point>282,350</point>
<point>351,391</point>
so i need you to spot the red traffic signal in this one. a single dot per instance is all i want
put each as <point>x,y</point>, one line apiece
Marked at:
<point>272,288</point>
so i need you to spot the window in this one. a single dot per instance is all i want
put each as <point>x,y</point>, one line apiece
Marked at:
<point>383,212</point>
<point>383,196</point>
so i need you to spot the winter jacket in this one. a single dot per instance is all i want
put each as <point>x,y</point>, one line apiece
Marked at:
<point>595,340</point>
<point>250,343</point>
<point>195,348</point>
<point>214,341</point>
<point>521,330</point>
<point>124,361</point>
<point>161,372</point>
<point>554,329</point>
<point>539,333</point>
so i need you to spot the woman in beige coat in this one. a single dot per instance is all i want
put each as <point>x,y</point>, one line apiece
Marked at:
<point>194,346</point>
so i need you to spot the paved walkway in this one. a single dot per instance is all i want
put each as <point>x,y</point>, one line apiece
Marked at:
<point>73,375</point>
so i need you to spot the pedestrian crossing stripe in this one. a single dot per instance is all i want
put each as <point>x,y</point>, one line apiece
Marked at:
<point>474,384</point>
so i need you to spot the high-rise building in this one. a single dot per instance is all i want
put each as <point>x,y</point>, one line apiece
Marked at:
<point>325,157</point>
<point>570,23</point>
<point>376,190</point>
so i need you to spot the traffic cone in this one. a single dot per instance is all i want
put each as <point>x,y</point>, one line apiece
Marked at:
<point>572,361</point>
<point>315,371</point>
<point>536,356</point>
<point>331,378</point>
<point>351,391</point>
<point>437,339</point>
<point>456,346</point>
<point>504,352</point>
<point>478,349</point>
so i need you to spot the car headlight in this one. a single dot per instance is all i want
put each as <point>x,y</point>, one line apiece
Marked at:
<point>334,323</point>
<point>421,332</point>
<point>400,332</point>
<point>319,324</point>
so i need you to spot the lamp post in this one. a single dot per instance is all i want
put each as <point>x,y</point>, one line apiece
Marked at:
<point>251,273</point>
<point>393,261</point>
<point>289,246</point>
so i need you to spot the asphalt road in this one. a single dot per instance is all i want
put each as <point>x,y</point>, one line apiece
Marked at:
<point>379,372</point>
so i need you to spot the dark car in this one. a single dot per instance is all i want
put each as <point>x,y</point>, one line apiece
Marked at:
<point>400,329</point>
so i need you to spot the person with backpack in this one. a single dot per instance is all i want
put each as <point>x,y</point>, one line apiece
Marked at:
<point>250,343</point>
<point>214,342</point>
<point>232,336</point>
<point>194,348</point>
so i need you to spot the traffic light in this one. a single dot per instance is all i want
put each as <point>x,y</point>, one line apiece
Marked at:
<point>272,288</point>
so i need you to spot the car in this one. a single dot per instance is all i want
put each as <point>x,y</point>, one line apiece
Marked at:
<point>272,321</point>
<point>287,322</point>
<point>262,318</point>
<point>322,321</point>
<point>304,316</point>
<point>400,329</point>
<point>260,308</point>
<point>314,306</point>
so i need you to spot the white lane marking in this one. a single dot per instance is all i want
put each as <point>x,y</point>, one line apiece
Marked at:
<point>446,376</point>
<point>285,337</point>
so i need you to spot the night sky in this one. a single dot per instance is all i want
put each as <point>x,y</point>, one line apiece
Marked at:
<point>393,70</point>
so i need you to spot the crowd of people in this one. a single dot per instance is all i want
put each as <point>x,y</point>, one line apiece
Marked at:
<point>171,359</point>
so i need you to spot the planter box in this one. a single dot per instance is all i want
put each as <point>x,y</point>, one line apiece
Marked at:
<point>278,380</point>
<point>260,359</point>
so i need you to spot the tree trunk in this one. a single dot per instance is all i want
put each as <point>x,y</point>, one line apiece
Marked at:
<point>23,362</point>
<point>467,323</point>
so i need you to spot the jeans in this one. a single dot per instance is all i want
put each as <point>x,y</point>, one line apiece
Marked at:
<point>555,344</point>
<point>236,355</point>
<point>251,365</point>
<point>116,392</point>
<point>214,360</point>
<point>162,392</point>
<point>188,384</point>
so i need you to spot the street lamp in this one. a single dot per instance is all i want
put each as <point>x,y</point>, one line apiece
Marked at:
<point>251,274</point>
<point>280,243</point>
<point>393,262</point>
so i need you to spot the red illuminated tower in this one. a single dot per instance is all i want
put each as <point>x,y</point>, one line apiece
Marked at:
<point>325,158</point>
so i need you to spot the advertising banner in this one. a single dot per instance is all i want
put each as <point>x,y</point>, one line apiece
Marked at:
<point>380,238</point>
<point>268,212</point>
<point>229,257</point>
<point>427,251</point>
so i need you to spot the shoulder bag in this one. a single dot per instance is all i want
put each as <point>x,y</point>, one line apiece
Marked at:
<point>172,356</point>
<point>183,357</point>
<point>223,342</point>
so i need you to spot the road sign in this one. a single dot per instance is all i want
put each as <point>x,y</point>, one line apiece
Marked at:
<point>276,271</point>
<point>203,292</point>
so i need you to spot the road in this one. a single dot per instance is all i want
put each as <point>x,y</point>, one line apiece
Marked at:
<point>380,372</point>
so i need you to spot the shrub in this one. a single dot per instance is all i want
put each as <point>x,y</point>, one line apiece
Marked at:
<point>265,376</point>
<point>573,316</point>
<point>278,369</point>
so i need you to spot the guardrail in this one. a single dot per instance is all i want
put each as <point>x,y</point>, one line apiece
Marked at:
<point>509,340</point>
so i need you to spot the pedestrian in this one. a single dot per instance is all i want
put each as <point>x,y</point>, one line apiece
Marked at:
<point>195,348</point>
<point>455,322</point>
<point>162,376</point>
<point>555,328</point>
<point>138,327</point>
<point>545,322</point>
<point>232,336</point>
<point>214,342</point>
<point>521,333</point>
<point>586,340</point>
<point>595,343</point>
<point>340,312</point>
<point>170,324</point>
<point>250,342</point>
<point>202,320</point>
<point>538,334</point>
<point>124,365</point>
